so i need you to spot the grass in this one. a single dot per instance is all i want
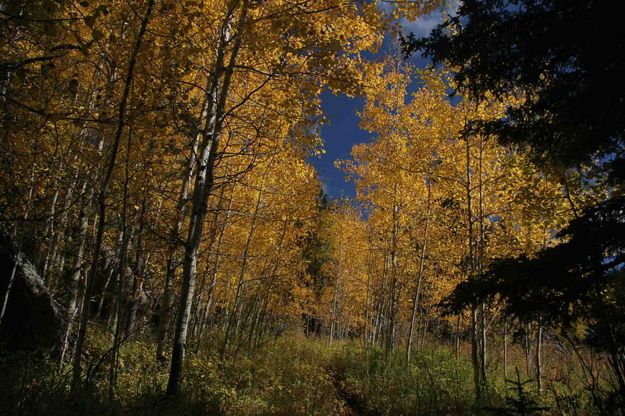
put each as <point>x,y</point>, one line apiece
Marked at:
<point>433,383</point>
<point>293,376</point>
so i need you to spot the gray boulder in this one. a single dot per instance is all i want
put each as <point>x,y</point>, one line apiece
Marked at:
<point>33,319</point>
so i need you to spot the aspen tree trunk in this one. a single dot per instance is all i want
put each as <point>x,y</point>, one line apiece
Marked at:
<point>528,357</point>
<point>335,297</point>
<point>474,338</point>
<point>264,322</point>
<point>127,231</point>
<point>102,197</point>
<point>203,184</point>
<point>415,300</point>
<point>76,270</point>
<point>475,359</point>
<point>215,267</point>
<point>478,326</point>
<point>376,325</point>
<point>394,282</point>
<point>120,303</point>
<point>172,258</point>
<point>62,230</point>
<point>426,324</point>
<point>199,304</point>
<point>212,236</point>
<point>539,372</point>
<point>480,264</point>
<point>137,281</point>
<point>457,346</point>
<point>394,295</point>
<point>226,308</point>
<point>367,317</point>
<point>110,269</point>
<point>505,349</point>
<point>381,301</point>
<point>483,348</point>
<point>333,318</point>
<point>50,235</point>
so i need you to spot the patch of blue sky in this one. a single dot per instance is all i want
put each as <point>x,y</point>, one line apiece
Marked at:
<point>342,130</point>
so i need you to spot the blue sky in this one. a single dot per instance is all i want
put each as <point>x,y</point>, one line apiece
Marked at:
<point>342,131</point>
<point>339,135</point>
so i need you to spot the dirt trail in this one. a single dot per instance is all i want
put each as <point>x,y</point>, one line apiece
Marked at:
<point>353,406</point>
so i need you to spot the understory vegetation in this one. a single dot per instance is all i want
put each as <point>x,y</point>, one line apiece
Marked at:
<point>291,375</point>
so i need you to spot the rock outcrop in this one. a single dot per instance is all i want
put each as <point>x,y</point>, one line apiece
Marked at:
<point>32,319</point>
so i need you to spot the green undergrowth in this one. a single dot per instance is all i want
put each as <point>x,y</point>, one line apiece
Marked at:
<point>434,383</point>
<point>288,377</point>
<point>291,376</point>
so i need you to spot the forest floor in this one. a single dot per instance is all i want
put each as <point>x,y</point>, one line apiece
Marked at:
<point>289,376</point>
<point>353,405</point>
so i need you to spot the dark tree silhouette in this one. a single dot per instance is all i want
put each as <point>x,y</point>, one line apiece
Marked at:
<point>566,59</point>
<point>566,56</point>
